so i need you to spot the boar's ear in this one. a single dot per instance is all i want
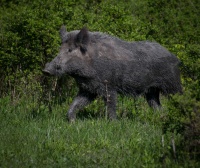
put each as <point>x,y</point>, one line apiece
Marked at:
<point>82,39</point>
<point>63,33</point>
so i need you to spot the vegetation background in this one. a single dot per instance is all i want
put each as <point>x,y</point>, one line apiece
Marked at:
<point>33,128</point>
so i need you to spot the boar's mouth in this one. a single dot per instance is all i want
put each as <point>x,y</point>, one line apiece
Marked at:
<point>46,72</point>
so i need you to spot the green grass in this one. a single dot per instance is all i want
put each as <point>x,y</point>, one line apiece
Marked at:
<point>37,138</point>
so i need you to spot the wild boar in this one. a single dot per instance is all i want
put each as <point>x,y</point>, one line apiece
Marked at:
<point>103,65</point>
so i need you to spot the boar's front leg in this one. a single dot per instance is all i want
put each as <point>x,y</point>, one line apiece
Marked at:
<point>81,100</point>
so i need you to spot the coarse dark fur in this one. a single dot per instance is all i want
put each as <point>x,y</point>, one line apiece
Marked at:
<point>103,65</point>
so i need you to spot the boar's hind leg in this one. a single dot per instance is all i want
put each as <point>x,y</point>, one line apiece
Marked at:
<point>152,97</point>
<point>78,103</point>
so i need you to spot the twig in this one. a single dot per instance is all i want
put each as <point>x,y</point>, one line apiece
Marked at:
<point>163,143</point>
<point>107,99</point>
<point>173,146</point>
<point>55,84</point>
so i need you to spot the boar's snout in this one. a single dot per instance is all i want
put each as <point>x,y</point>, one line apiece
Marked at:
<point>52,69</point>
<point>45,71</point>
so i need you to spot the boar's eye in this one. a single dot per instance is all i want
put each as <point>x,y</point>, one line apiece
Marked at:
<point>69,50</point>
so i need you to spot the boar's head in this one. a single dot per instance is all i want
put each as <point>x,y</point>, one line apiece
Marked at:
<point>73,57</point>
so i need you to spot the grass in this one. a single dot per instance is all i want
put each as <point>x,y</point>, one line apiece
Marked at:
<point>37,138</point>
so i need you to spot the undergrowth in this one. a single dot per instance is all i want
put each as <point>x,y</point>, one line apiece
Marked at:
<point>36,137</point>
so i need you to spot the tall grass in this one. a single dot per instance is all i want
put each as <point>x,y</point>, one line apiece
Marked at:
<point>35,137</point>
